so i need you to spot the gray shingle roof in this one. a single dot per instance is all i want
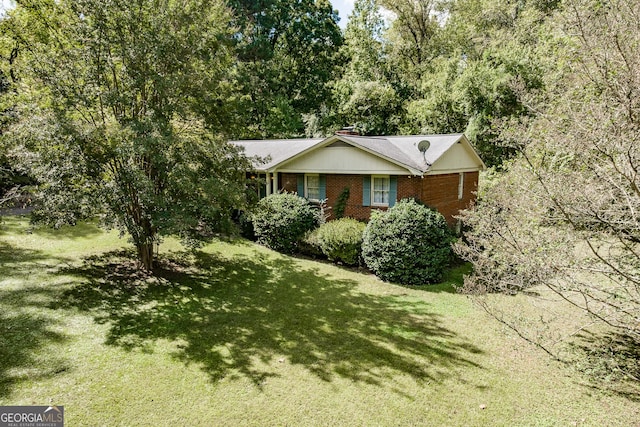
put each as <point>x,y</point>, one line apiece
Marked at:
<point>269,153</point>
<point>401,150</point>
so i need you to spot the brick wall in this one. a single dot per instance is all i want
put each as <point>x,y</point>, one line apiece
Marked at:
<point>437,191</point>
<point>441,192</point>
<point>353,209</point>
<point>410,187</point>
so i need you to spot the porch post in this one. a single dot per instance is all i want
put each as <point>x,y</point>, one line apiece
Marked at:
<point>268,183</point>
<point>275,181</point>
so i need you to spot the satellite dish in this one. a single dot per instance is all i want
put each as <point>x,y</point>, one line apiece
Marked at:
<point>424,145</point>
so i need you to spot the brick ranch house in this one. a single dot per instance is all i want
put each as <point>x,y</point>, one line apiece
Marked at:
<point>439,170</point>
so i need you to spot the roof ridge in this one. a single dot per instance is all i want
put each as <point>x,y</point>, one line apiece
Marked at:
<point>365,136</point>
<point>426,135</point>
<point>277,139</point>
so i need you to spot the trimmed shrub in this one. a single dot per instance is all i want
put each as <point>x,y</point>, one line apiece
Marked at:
<point>409,244</point>
<point>281,220</point>
<point>309,244</point>
<point>339,240</point>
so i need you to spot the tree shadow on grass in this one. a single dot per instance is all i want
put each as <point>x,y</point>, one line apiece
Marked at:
<point>25,324</point>
<point>16,261</point>
<point>21,336</point>
<point>610,362</point>
<point>234,316</point>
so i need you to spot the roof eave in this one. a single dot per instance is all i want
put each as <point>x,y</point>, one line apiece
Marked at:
<point>297,155</point>
<point>473,150</point>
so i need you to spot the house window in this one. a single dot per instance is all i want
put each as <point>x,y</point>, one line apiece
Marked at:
<point>312,187</point>
<point>461,186</point>
<point>380,193</point>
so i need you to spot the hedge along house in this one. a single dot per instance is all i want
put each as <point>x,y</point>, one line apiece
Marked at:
<point>376,171</point>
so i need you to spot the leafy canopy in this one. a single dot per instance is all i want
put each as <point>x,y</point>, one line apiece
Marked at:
<point>565,215</point>
<point>122,109</point>
<point>287,55</point>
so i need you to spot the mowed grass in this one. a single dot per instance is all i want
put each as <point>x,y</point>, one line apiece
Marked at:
<point>238,335</point>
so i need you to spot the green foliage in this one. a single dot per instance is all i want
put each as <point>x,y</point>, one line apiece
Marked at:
<point>281,220</point>
<point>476,96</point>
<point>288,54</point>
<point>309,245</point>
<point>408,244</point>
<point>341,203</point>
<point>414,37</point>
<point>339,240</point>
<point>373,107</point>
<point>10,179</point>
<point>364,42</point>
<point>243,219</point>
<point>363,95</point>
<point>121,112</point>
<point>440,109</point>
<point>564,215</point>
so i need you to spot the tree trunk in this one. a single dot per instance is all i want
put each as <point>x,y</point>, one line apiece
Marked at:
<point>145,255</point>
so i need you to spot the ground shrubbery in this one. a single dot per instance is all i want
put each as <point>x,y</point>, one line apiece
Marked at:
<point>339,240</point>
<point>281,220</point>
<point>408,244</point>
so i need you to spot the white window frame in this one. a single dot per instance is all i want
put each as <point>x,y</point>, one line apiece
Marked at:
<point>461,186</point>
<point>307,187</point>
<point>373,190</point>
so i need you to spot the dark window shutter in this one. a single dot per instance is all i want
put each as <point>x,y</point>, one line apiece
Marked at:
<point>393,190</point>
<point>301,185</point>
<point>323,186</point>
<point>366,190</point>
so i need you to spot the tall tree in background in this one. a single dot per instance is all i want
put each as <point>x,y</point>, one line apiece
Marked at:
<point>288,54</point>
<point>121,111</point>
<point>473,54</point>
<point>565,216</point>
<point>10,180</point>
<point>364,96</point>
<point>414,34</point>
<point>364,43</point>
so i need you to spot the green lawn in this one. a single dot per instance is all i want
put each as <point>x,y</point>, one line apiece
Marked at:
<point>239,335</point>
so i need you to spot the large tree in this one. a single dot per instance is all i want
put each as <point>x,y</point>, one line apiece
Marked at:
<point>364,97</point>
<point>11,180</point>
<point>121,113</point>
<point>414,34</point>
<point>566,215</point>
<point>288,54</point>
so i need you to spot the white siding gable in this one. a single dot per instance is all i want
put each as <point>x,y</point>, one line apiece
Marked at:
<point>341,159</point>
<point>459,158</point>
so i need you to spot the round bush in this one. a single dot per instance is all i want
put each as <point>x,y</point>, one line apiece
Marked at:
<point>408,244</point>
<point>339,240</point>
<point>280,220</point>
<point>309,244</point>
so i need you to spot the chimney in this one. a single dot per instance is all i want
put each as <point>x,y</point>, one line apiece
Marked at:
<point>348,130</point>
